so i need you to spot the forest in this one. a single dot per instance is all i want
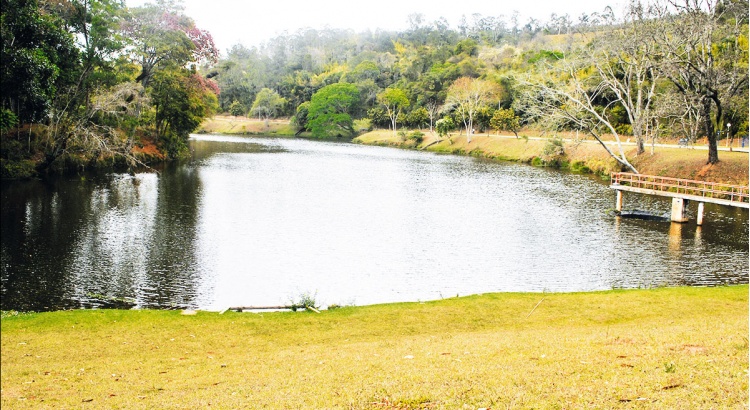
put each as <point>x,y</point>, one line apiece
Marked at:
<point>91,81</point>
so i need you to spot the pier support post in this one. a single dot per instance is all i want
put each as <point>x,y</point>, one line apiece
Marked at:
<point>618,201</point>
<point>679,206</point>
<point>700,213</point>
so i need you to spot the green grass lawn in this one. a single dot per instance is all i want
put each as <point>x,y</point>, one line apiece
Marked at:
<point>663,348</point>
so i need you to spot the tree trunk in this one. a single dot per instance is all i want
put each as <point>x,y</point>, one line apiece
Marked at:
<point>713,151</point>
<point>641,147</point>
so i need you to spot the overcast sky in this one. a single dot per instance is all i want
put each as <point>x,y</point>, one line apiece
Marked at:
<point>252,22</point>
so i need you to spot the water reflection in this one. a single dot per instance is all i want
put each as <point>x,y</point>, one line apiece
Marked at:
<point>260,221</point>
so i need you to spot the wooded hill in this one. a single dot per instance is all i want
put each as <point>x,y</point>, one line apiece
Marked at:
<point>664,69</point>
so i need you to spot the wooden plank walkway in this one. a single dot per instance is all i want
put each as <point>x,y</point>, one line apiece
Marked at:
<point>700,191</point>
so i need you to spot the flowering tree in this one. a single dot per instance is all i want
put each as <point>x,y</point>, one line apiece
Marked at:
<point>162,37</point>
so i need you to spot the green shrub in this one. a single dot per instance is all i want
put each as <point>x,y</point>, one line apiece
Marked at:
<point>553,153</point>
<point>416,136</point>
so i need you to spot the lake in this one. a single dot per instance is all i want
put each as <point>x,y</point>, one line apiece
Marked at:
<point>262,221</point>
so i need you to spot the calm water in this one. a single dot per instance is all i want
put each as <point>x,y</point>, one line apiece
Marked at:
<point>261,221</point>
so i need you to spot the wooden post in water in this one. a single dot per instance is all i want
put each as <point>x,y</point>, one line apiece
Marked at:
<point>679,206</point>
<point>700,213</point>
<point>618,202</point>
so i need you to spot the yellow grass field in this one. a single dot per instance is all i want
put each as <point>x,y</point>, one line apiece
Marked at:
<point>677,348</point>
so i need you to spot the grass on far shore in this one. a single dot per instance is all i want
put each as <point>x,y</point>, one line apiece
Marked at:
<point>582,155</point>
<point>677,348</point>
<point>227,124</point>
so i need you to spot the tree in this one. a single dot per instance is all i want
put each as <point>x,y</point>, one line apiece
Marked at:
<point>623,59</point>
<point>506,120</point>
<point>300,118</point>
<point>417,117</point>
<point>181,101</point>
<point>433,109</point>
<point>705,56</point>
<point>267,104</point>
<point>467,95</point>
<point>162,36</point>
<point>330,110</point>
<point>444,126</point>
<point>394,100</point>
<point>38,56</point>
<point>565,95</point>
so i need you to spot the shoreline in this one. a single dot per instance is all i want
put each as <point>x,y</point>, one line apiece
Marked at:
<point>579,155</point>
<point>584,156</point>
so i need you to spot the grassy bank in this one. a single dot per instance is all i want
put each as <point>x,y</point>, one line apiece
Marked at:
<point>661,348</point>
<point>231,125</point>
<point>586,156</point>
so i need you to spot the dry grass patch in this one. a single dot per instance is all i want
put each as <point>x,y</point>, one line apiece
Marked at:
<point>226,124</point>
<point>582,155</point>
<point>664,348</point>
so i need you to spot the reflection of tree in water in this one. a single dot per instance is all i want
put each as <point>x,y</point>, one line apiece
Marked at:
<point>172,275</point>
<point>95,241</point>
<point>40,227</point>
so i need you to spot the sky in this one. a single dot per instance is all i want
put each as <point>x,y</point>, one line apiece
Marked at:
<point>253,22</point>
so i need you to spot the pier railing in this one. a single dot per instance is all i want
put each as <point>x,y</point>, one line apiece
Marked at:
<point>733,193</point>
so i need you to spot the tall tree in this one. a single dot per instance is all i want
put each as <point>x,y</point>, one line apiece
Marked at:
<point>38,56</point>
<point>329,113</point>
<point>467,95</point>
<point>623,59</point>
<point>162,36</point>
<point>394,100</point>
<point>566,95</point>
<point>705,55</point>
<point>182,100</point>
<point>267,104</point>
<point>506,119</point>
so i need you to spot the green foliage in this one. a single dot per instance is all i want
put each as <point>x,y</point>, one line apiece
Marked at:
<point>306,300</point>
<point>416,136</point>
<point>237,108</point>
<point>467,46</point>
<point>363,125</point>
<point>444,126</point>
<point>394,100</point>
<point>181,104</point>
<point>301,117</point>
<point>418,117</point>
<point>506,120</point>
<point>545,55</point>
<point>38,56</point>
<point>267,104</point>
<point>553,153</point>
<point>330,108</point>
<point>8,119</point>
<point>378,116</point>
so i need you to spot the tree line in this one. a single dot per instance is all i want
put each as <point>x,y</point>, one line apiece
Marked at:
<point>674,69</point>
<point>90,80</point>
<point>86,79</point>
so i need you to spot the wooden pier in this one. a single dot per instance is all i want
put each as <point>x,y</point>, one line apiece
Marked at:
<point>681,191</point>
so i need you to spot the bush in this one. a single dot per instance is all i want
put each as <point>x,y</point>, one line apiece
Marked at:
<point>363,125</point>
<point>237,109</point>
<point>553,153</point>
<point>417,136</point>
<point>444,126</point>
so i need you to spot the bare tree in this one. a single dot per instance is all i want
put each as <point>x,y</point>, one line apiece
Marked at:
<point>467,95</point>
<point>703,56</point>
<point>433,110</point>
<point>623,60</point>
<point>570,102</point>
